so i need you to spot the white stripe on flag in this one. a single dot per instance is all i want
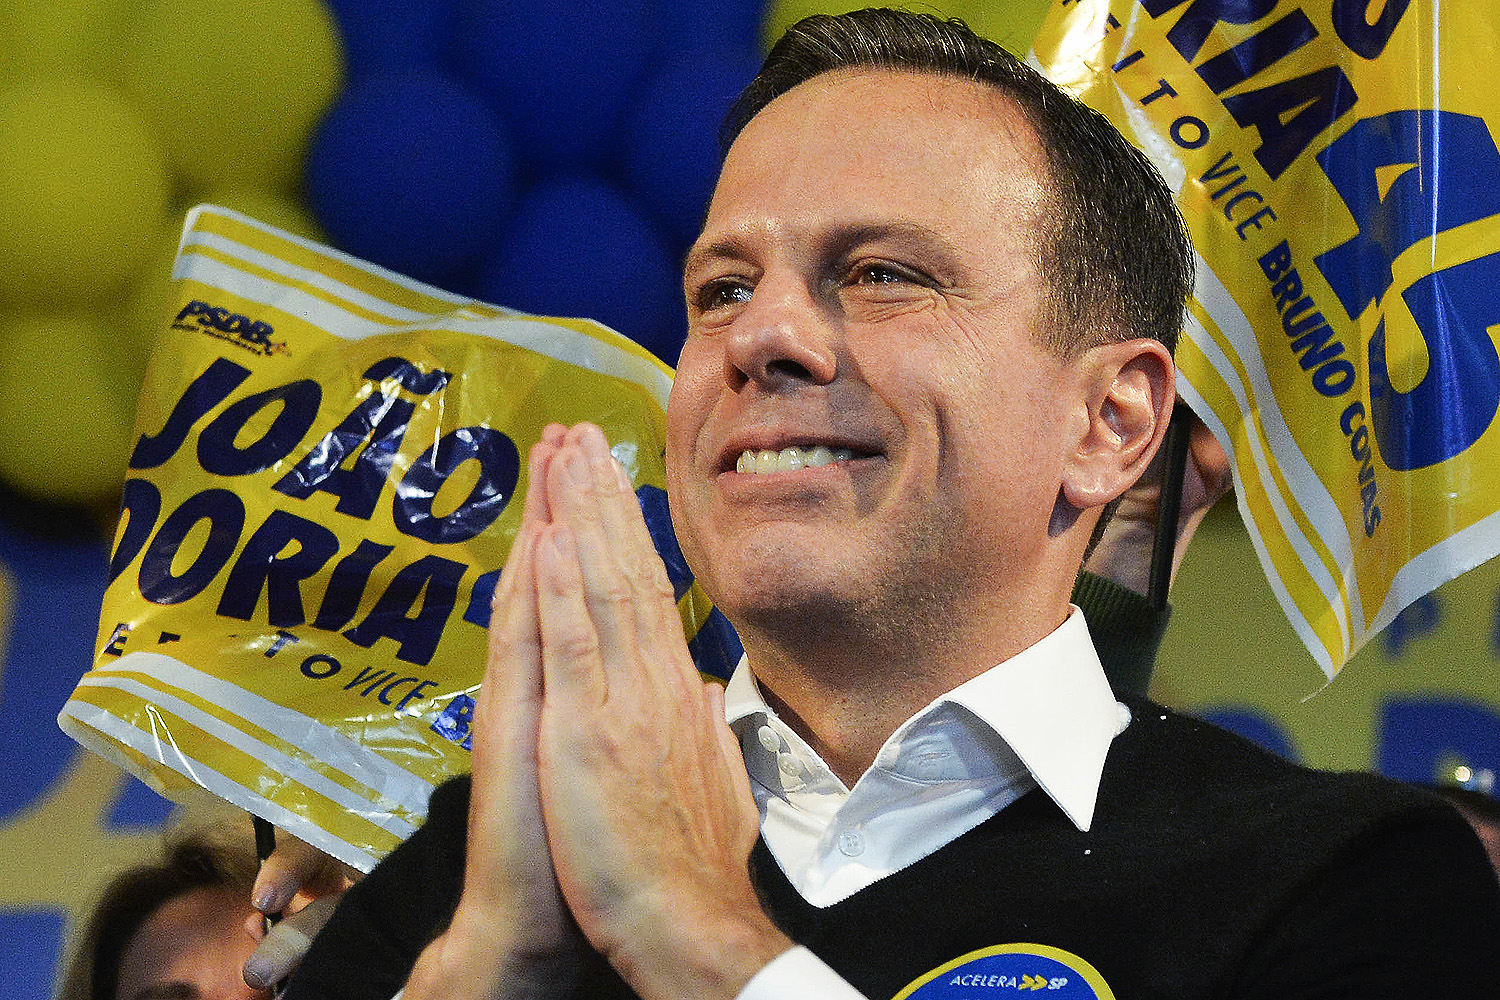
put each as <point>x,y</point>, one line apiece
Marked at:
<point>1300,545</point>
<point>319,741</point>
<point>95,719</point>
<point>1458,553</point>
<point>319,249</point>
<point>1306,485</point>
<point>269,262</point>
<point>591,353</point>
<point>376,812</point>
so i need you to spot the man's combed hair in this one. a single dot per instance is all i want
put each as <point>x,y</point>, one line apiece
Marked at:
<point>1116,255</point>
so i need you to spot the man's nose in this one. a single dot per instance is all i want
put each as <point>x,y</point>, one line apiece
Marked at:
<point>783,339</point>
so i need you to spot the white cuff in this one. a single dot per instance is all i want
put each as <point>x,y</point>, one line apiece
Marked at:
<point>798,974</point>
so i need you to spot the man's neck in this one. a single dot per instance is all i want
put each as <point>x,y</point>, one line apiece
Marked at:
<point>845,695</point>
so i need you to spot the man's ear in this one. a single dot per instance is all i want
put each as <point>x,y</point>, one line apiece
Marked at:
<point>1128,389</point>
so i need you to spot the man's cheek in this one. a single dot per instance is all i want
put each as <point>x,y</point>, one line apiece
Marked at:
<point>684,523</point>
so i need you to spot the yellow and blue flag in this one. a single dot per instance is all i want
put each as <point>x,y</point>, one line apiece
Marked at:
<point>1338,168</point>
<point>320,498</point>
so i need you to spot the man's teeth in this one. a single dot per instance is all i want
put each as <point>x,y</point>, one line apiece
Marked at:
<point>790,459</point>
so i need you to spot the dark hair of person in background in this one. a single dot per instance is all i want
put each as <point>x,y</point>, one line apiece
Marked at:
<point>212,857</point>
<point>1116,255</point>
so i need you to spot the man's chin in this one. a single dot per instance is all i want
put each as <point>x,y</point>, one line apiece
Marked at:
<point>794,581</point>
<point>786,607</point>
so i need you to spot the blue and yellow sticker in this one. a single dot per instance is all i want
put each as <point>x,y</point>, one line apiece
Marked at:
<point>1004,969</point>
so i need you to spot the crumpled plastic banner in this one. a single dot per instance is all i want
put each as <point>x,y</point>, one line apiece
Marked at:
<point>1338,169</point>
<point>324,487</point>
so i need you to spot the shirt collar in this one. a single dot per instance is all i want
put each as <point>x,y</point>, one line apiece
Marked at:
<point>742,697</point>
<point>1050,703</point>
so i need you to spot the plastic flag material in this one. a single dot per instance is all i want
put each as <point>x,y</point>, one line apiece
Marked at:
<point>1338,169</point>
<point>318,504</point>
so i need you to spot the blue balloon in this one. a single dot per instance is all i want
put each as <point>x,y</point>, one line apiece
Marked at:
<point>385,35</point>
<point>672,154</point>
<point>577,246</point>
<point>561,72</point>
<point>412,171</point>
<point>723,23</point>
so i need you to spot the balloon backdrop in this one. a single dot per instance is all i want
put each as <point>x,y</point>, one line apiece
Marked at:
<point>114,116</point>
<point>553,157</point>
<point>411,169</point>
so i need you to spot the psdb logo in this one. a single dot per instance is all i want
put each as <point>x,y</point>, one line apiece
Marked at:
<point>251,334</point>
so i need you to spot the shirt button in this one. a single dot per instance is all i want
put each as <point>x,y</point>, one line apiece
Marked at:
<point>790,766</point>
<point>851,844</point>
<point>768,738</point>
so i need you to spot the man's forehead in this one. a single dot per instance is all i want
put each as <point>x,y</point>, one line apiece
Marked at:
<point>875,139</point>
<point>900,92</point>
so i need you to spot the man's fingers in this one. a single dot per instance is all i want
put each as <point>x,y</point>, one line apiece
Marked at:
<point>729,744</point>
<point>513,630</point>
<point>620,512</point>
<point>583,487</point>
<point>536,471</point>
<point>513,634</point>
<point>514,576</point>
<point>509,697</point>
<point>571,651</point>
<point>513,662</point>
<point>281,950</point>
<point>625,582</point>
<point>294,869</point>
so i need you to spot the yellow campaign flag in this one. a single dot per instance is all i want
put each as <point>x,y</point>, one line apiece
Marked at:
<point>321,495</point>
<point>1337,166</point>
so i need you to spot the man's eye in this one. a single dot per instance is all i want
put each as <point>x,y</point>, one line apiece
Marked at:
<point>881,273</point>
<point>721,293</point>
<point>878,274</point>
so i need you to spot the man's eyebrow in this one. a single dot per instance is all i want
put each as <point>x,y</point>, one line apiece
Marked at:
<point>725,247</point>
<point>836,241</point>
<point>175,990</point>
<point>846,238</point>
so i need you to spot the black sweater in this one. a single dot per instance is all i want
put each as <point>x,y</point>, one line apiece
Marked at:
<point>1212,869</point>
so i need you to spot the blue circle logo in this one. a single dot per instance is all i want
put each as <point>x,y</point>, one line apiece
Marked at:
<point>1008,970</point>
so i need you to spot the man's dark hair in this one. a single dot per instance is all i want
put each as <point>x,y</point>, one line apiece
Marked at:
<point>1116,256</point>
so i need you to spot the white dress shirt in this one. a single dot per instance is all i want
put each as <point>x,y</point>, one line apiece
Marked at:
<point>1043,718</point>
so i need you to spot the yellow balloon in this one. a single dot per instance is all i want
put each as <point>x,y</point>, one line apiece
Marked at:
<point>83,186</point>
<point>785,13</point>
<point>1012,23</point>
<point>148,304</point>
<point>270,207</point>
<point>61,37</point>
<point>233,88</point>
<point>67,407</point>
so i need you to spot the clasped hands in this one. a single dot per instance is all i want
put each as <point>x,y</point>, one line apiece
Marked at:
<point>610,804</point>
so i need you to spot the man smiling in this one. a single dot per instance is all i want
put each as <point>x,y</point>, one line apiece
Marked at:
<point>870,278</point>
<point>930,318</point>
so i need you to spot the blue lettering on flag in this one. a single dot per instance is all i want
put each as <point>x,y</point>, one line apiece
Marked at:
<point>1439,168</point>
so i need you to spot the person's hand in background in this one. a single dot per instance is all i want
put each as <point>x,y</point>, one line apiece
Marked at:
<point>1124,551</point>
<point>301,885</point>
